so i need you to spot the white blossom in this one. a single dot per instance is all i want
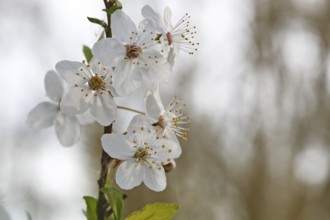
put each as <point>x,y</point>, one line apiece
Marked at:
<point>90,89</point>
<point>47,114</point>
<point>133,52</point>
<point>173,38</point>
<point>169,121</point>
<point>143,154</point>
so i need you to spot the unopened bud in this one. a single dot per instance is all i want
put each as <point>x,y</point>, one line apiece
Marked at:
<point>169,167</point>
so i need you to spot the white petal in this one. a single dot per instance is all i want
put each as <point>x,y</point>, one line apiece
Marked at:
<point>42,116</point>
<point>127,79</point>
<point>172,136</point>
<point>140,128</point>
<point>101,70</point>
<point>149,13</point>
<point>157,73</point>
<point>103,108</point>
<point>150,56</point>
<point>117,146</point>
<point>155,178</point>
<point>147,30</point>
<point>168,18</point>
<point>146,26</point>
<point>153,108</point>
<point>54,86</point>
<point>95,66</point>
<point>68,71</point>
<point>172,55</point>
<point>167,150</point>
<point>109,51</point>
<point>67,129</point>
<point>122,26</point>
<point>156,94</point>
<point>129,174</point>
<point>73,103</point>
<point>86,118</point>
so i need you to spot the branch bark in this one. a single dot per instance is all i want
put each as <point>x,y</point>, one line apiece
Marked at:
<point>108,4</point>
<point>103,207</point>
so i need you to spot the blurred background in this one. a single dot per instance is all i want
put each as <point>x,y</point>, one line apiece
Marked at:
<point>257,90</point>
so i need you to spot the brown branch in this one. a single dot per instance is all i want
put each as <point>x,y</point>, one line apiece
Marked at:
<point>108,4</point>
<point>103,207</point>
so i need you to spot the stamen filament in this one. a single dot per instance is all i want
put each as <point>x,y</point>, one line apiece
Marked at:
<point>130,109</point>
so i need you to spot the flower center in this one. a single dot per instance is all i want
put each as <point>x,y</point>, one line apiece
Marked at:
<point>162,122</point>
<point>96,83</point>
<point>133,51</point>
<point>141,155</point>
<point>176,121</point>
<point>169,38</point>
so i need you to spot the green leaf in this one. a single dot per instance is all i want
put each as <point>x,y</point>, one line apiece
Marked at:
<point>91,208</point>
<point>155,211</point>
<point>99,22</point>
<point>115,198</point>
<point>102,35</point>
<point>117,5</point>
<point>87,53</point>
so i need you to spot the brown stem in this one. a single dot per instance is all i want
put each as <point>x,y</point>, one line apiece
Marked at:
<point>108,4</point>
<point>103,207</point>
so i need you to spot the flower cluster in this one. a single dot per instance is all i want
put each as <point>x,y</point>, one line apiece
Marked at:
<point>120,65</point>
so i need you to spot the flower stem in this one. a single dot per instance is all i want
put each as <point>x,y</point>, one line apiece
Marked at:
<point>108,4</point>
<point>103,207</point>
<point>130,109</point>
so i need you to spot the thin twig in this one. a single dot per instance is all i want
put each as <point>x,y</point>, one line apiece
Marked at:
<point>103,206</point>
<point>108,4</point>
<point>130,109</point>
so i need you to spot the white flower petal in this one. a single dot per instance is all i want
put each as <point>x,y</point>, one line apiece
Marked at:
<point>152,55</point>
<point>127,79</point>
<point>86,118</point>
<point>149,13</point>
<point>109,51</point>
<point>147,29</point>
<point>68,71</point>
<point>172,55</point>
<point>158,68</point>
<point>153,107</point>
<point>122,26</point>
<point>103,108</point>
<point>140,128</point>
<point>95,66</point>
<point>67,129</point>
<point>167,150</point>
<point>168,18</point>
<point>117,146</point>
<point>73,103</point>
<point>54,86</point>
<point>157,73</point>
<point>172,136</point>
<point>155,178</point>
<point>156,94</point>
<point>129,174</point>
<point>102,71</point>
<point>42,116</point>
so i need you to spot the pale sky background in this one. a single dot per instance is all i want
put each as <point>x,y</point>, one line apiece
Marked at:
<point>224,87</point>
